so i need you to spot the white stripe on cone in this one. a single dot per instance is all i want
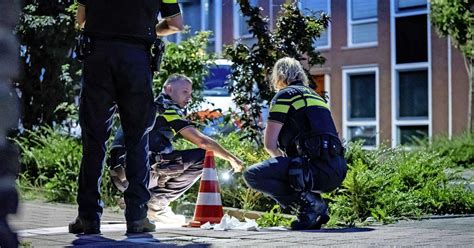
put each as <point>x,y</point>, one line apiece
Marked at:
<point>209,174</point>
<point>209,199</point>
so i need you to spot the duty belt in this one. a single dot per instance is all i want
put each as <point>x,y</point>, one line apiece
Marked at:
<point>319,145</point>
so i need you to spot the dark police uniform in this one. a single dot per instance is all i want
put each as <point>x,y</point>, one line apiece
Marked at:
<point>117,74</point>
<point>307,129</point>
<point>174,171</point>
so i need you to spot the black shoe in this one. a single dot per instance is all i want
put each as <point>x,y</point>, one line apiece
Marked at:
<point>140,226</point>
<point>80,225</point>
<point>321,220</point>
<point>312,213</point>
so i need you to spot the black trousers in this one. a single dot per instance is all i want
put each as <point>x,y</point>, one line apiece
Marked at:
<point>271,177</point>
<point>117,74</point>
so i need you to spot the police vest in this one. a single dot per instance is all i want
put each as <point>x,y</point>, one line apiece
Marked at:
<point>169,122</point>
<point>302,111</point>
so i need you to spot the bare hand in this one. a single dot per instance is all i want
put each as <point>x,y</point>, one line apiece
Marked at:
<point>237,164</point>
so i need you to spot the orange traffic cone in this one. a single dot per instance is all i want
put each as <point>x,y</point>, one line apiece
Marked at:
<point>209,204</point>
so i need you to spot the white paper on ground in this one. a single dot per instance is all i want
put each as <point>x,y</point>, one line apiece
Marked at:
<point>206,226</point>
<point>232,223</point>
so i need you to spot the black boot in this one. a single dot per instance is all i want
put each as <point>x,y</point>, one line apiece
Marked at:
<point>80,225</point>
<point>312,213</point>
<point>140,226</point>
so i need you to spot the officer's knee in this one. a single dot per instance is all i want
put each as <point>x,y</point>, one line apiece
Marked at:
<point>250,177</point>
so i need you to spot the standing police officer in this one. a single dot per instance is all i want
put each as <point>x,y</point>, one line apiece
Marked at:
<point>117,73</point>
<point>307,156</point>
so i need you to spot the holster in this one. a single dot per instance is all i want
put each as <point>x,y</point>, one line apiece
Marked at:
<point>83,47</point>
<point>157,51</point>
<point>299,174</point>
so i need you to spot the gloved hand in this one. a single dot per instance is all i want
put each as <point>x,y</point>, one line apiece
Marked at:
<point>296,174</point>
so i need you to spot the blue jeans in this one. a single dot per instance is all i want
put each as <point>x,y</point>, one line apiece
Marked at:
<point>271,177</point>
<point>116,75</point>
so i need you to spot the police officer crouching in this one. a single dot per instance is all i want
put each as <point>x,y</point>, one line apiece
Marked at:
<point>173,171</point>
<point>117,72</point>
<point>307,155</point>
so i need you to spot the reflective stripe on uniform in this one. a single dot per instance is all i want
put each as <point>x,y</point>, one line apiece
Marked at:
<point>288,100</point>
<point>280,108</point>
<point>171,117</point>
<point>311,102</point>
<point>170,1</point>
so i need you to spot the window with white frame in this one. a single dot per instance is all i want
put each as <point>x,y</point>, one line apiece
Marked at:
<point>362,22</point>
<point>411,69</point>
<point>361,101</point>
<point>316,6</point>
<point>410,5</point>
<point>201,15</point>
<point>412,98</point>
<point>241,28</point>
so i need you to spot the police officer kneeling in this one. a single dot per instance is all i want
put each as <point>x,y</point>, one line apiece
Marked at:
<point>307,155</point>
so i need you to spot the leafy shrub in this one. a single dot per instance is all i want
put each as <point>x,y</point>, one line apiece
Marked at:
<point>388,184</point>
<point>51,160</point>
<point>459,149</point>
<point>274,217</point>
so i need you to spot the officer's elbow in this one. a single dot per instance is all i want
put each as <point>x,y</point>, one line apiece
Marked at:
<point>176,28</point>
<point>270,146</point>
<point>175,23</point>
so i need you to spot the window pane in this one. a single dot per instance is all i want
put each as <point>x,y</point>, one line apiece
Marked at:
<point>408,134</point>
<point>413,93</point>
<point>411,39</point>
<point>191,13</point>
<point>363,33</point>
<point>243,26</point>
<point>307,6</point>
<point>211,46</point>
<point>365,133</point>
<point>323,40</point>
<point>314,5</point>
<point>362,9</point>
<point>210,13</point>
<point>250,41</point>
<point>362,96</point>
<point>410,4</point>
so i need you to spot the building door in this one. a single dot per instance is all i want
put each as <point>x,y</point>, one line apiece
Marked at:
<point>320,85</point>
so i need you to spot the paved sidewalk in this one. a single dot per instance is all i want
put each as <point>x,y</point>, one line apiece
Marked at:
<point>42,224</point>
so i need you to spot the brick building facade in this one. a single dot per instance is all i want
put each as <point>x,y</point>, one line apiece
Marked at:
<point>388,75</point>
